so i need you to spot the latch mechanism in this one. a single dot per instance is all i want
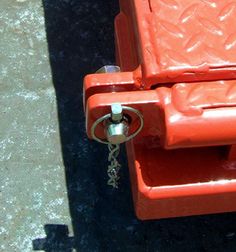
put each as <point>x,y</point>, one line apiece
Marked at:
<point>117,132</point>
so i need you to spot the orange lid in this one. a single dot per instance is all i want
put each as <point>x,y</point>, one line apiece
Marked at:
<point>186,40</point>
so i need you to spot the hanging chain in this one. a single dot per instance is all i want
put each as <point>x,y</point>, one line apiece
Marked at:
<point>114,166</point>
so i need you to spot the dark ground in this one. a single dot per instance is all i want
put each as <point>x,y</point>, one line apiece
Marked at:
<point>80,40</point>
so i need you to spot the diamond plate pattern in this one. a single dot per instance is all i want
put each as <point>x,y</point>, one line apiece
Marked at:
<point>199,32</point>
<point>188,37</point>
<point>193,97</point>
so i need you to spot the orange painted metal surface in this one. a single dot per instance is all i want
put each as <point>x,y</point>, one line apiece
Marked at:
<point>178,68</point>
<point>180,182</point>
<point>178,39</point>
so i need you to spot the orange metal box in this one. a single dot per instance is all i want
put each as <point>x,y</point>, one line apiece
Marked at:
<point>178,68</point>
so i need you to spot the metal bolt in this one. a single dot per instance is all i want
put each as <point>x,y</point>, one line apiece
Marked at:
<point>117,128</point>
<point>116,112</point>
<point>109,69</point>
<point>117,132</point>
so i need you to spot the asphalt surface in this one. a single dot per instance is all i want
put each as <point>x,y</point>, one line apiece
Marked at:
<point>53,193</point>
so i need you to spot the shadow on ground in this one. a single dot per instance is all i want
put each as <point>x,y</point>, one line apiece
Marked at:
<point>80,40</point>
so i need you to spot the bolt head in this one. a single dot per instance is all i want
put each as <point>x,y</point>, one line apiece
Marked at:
<point>117,133</point>
<point>109,69</point>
